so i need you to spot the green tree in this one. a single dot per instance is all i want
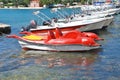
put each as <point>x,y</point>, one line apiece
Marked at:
<point>83,1</point>
<point>46,2</point>
<point>58,1</point>
<point>26,1</point>
<point>21,2</point>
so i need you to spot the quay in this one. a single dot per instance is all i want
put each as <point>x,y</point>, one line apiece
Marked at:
<point>5,28</point>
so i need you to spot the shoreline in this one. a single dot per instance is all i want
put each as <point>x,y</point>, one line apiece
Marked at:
<point>77,6</point>
<point>25,8</point>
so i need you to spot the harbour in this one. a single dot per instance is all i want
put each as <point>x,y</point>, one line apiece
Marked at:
<point>100,64</point>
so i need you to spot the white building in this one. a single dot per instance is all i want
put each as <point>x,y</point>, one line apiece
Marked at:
<point>34,3</point>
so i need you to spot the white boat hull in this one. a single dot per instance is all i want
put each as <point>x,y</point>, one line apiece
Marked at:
<point>108,21</point>
<point>93,26</point>
<point>44,47</point>
<point>85,25</point>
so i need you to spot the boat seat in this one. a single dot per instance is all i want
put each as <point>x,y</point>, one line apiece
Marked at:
<point>50,35</point>
<point>58,33</point>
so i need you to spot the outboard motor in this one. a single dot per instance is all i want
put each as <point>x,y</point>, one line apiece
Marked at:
<point>32,25</point>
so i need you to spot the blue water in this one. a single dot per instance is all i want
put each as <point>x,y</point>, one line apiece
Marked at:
<point>16,64</point>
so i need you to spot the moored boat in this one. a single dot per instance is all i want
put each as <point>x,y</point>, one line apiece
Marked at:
<point>57,41</point>
<point>82,25</point>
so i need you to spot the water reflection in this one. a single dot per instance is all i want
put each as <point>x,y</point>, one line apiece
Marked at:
<point>53,59</point>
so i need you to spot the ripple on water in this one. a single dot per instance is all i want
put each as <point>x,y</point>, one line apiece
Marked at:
<point>101,64</point>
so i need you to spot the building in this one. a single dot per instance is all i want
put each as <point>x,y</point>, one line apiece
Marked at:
<point>34,3</point>
<point>108,1</point>
<point>1,4</point>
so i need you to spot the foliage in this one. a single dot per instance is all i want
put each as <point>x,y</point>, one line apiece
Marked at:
<point>43,2</point>
<point>47,2</point>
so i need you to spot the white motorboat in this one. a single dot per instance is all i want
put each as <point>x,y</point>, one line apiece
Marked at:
<point>83,25</point>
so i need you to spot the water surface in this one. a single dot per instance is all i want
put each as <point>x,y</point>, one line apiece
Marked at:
<point>16,64</point>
